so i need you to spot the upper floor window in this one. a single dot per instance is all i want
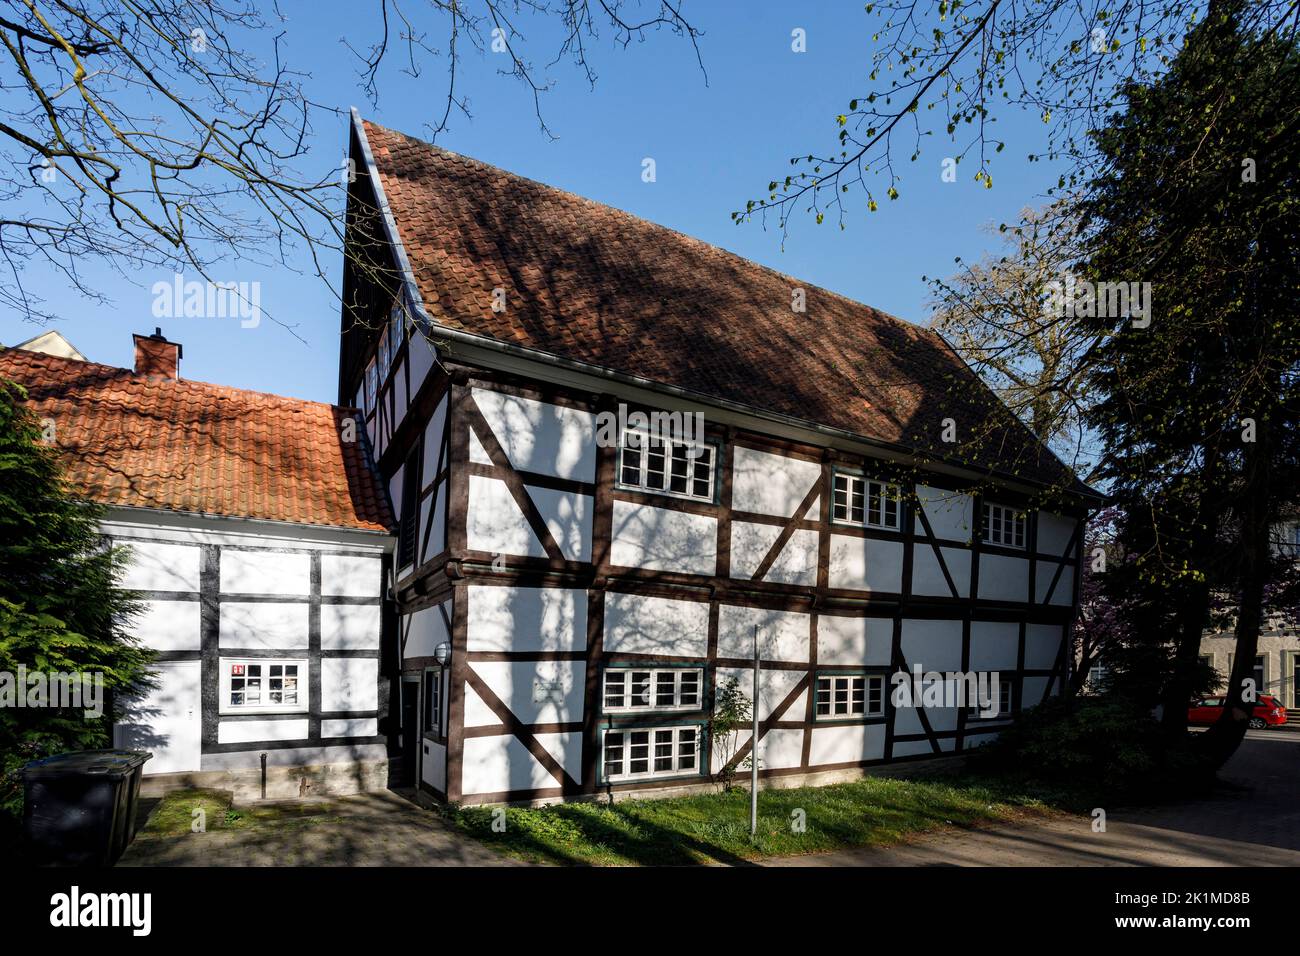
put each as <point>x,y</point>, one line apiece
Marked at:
<point>372,383</point>
<point>849,695</point>
<point>861,501</point>
<point>385,356</point>
<point>667,466</point>
<point>1003,525</point>
<point>670,688</point>
<point>397,326</point>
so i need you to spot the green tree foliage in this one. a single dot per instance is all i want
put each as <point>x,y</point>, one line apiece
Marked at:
<point>60,608</point>
<point>1198,410</point>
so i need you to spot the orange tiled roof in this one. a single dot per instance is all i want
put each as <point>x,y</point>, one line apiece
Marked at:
<point>184,446</point>
<point>598,285</point>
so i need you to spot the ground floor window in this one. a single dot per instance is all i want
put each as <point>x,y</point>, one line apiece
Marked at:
<point>636,753</point>
<point>1004,705</point>
<point>263,685</point>
<point>844,696</point>
<point>433,700</point>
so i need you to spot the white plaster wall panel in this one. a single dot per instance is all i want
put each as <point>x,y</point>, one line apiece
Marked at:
<point>371,431</point>
<point>537,692</point>
<point>927,575</point>
<point>910,748</point>
<point>349,627</point>
<point>349,683</point>
<point>782,635</point>
<point>1054,533</point>
<point>849,743</point>
<point>1003,578</point>
<point>268,625</point>
<point>394,487</point>
<point>770,484</point>
<point>426,631</point>
<point>420,354</point>
<point>1032,690</point>
<point>1043,574</point>
<point>433,766</point>
<point>476,712</point>
<point>350,727</point>
<point>639,624</point>
<point>168,625</point>
<point>774,686</point>
<point>660,539</point>
<point>526,619</point>
<point>495,523</point>
<point>541,437</point>
<point>436,541</point>
<point>252,731</point>
<point>994,645</point>
<point>947,744</point>
<point>866,564</point>
<point>161,567</point>
<point>798,707</point>
<point>780,748</point>
<point>433,433</point>
<point>568,516</point>
<point>1042,644</point>
<point>496,764</point>
<point>477,453</point>
<point>1063,596</point>
<point>933,645</point>
<point>346,575</point>
<point>907,720</point>
<point>264,572</point>
<point>750,543</point>
<point>866,641</point>
<point>950,513</point>
<point>566,749</point>
<point>797,562</point>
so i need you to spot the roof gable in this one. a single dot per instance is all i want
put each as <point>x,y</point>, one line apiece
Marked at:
<point>599,286</point>
<point>182,446</point>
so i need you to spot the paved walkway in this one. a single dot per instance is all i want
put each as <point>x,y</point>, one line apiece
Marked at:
<point>1253,819</point>
<point>371,829</point>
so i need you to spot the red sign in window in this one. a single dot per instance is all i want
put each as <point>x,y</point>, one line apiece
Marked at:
<point>236,670</point>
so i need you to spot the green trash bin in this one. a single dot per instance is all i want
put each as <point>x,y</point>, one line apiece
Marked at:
<point>79,808</point>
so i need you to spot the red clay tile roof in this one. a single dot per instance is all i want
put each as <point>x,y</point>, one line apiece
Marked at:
<point>197,448</point>
<point>600,286</point>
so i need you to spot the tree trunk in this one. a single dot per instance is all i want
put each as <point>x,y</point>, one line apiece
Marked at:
<point>1223,738</point>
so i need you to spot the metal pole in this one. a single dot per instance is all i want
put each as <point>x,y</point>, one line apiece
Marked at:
<point>753,751</point>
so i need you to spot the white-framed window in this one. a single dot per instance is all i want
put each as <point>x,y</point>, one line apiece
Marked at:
<point>372,386</point>
<point>432,700</point>
<point>385,356</point>
<point>1004,704</point>
<point>645,688</point>
<point>263,685</point>
<point>396,325</point>
<point>1003,525</point>
<point>863,501</point>
<point>844,696</point>
<point>635,753</point>
<point>666,466</point>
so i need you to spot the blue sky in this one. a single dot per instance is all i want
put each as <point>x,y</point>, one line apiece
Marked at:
<point>714,146</point>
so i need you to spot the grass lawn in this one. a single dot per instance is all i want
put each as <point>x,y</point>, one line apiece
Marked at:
<point>175,816</point>
<point>714,827</point>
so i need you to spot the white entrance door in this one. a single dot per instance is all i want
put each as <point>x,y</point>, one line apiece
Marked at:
<point>167,721</point>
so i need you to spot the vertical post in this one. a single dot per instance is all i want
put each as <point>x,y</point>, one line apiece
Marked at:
<point>753,751</point>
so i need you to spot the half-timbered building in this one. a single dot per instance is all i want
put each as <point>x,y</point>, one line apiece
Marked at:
<point>574,585</point>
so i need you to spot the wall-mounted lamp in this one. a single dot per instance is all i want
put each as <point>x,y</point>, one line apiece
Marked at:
<point>442,653</point>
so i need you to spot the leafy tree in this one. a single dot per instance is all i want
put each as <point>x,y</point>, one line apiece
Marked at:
<point>60,608</point>
<point>731,713</point>
<point>1197,194</point>
<point>997,316</point>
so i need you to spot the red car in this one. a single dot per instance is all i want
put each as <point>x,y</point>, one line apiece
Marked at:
<point>1269,712</point>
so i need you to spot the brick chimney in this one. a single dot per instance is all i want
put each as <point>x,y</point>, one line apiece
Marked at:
<point>156,357</point>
